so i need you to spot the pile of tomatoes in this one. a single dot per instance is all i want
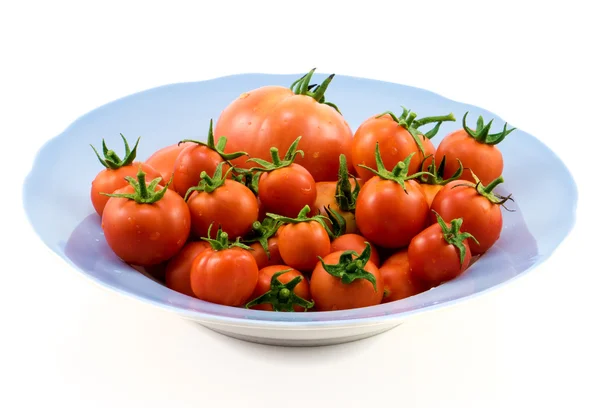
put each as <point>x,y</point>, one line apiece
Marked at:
<point>289,210</point>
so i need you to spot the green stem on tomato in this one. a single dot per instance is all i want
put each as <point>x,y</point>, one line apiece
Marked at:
<point>111,160</point>
<point>351,267</point>
<point>219,147</point>
<point>281,296</point>
<point>142,193</point>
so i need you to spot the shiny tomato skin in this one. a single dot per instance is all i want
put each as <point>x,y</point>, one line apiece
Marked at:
<point>163,160</point>
<point>232,206</point>
<point>108,180</point>
<point>395,144</point>
<point>190,163</point>
<point>300,244</point>
<point>433,260</point>
<point>272,116</point>
<point>262,260</point>
<point>177,275</point>
<point>484,160</point>
<point>329,293</point>
<point>287,190</point>
<point>430,191</point>
<point>397,280</point>
<point>264,285</point>
<point>146,234</point>
<point>387,215</point>
<point>354,242</point>
<point>481,218</point>
<point>326,197</point>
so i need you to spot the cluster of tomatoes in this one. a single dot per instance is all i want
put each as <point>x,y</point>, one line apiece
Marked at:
<point>340,220</point>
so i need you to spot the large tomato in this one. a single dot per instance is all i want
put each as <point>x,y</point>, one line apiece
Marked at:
<point>274,116</point>
<point>145,224</point>
<point>342,280</point>
<point>113,176</point>
<point>177,275</point>
<point>354,242</point>
<point>163,160</point>
<point>397,280</point>
<point>478,207</point>
<point>281,289</point>
<point>476,149</point>
<point>398,137</point>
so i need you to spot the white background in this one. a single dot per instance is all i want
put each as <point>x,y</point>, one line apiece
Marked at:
<point>532,343</point>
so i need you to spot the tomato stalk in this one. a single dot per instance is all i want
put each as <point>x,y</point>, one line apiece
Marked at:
<point>281,295</point>
<point>487,191</point>
<point>112,160</point>
<point>261,232</point>
<point>303,217</point>
<point>277,162</point>
<point>482,132</point>
<point>209,184</point>
<point>247,177</point>
<point>345,195</point>
<point>348,269</point>
<point>221,241</point>
<point>437,173</point>
<point>219,147</point>
<point>453,236</point>
<point>143,194</point>
<point>302,86</point>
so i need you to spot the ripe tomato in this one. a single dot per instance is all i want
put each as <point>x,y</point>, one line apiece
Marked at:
<point>398,138</point>
<point>397,280</point>
<point>199,157</point>
<point>342,280</point>
<point>476,149</point>
<point>478,207</point>
<point>217,200</point>
<point>113,176</point>
<point>226,274</point>
<point>439,253</point>
<point>391,207</point>
<point>163,160</point>
<point>145,224</point>
<point>354,242</point>
<point>433,181</point>
<point>302,240</point>
<point>285,187</point>
<point>262,258</point>
<point>274,116</point>
<point>281,289</point>
<point>177,276</point>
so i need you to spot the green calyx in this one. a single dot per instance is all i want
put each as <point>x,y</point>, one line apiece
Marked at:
<point>303,217</point>
<point>488,191</point>
<point>111,160</point>
<point>453,236</point>
<point>349,268</point>
<point>209,184</point>
<point>261,232</point>
<point>281,295</point>
<point>222,242</point>
<point>302,86</point>
<point>399,173</point>
<point>277,162</point>
<point>345,195</point>
<point>408,120</point>
<point>482,132</point>
<point>143,194</point>
<point>219,147</point>
<point>437,173</point>
<point>338,223</point>
<point>247,177</point>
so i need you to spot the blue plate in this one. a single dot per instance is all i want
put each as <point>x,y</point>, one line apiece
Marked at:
<point>57,202</point>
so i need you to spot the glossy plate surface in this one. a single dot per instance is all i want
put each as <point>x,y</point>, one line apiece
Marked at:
<point>56,200</point>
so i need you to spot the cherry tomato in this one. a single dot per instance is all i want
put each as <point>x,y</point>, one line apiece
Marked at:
<point>260,255</point>
<point>163,160</point>
<point>288,291</point>
<point>178,270</point>
<point>397,280</point>
<point>354,242</point>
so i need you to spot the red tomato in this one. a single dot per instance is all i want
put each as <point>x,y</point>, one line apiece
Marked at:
<point>343,281</point>
<point>476,149</point>
<point>287,291</point>
<point>397,137</point>
<point>430,191</point>
<point>113,176</point>
<point>397,280</point>
<point>287,190</point>
<point>354,242</point>
<point>478,207</point>
<point>177,275</point>
<point>145,224</point>
<point>439,253</point>
<point>274,116</point>
<point>163,160</point>
<point>260,255</point>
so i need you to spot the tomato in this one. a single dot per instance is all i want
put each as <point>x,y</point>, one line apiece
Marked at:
<point>199,157</point>
<point>342,280</point>
<point>113,176</point>
<point>391,208</point>
<point>476,149</point>
<point>177,275</point>
<point>397,280</point>
<point>478,207</point>
<point>163,160</point>
<point>226,274</point>
<point>224,202</point>
<point>281,288</point>
<point>354,242</point>
<point>398,138</point>
<point>439,253</point>
<point>262,258</point>
<point>302,241</point>
<point>274,116</point>
<point>145,224</point>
